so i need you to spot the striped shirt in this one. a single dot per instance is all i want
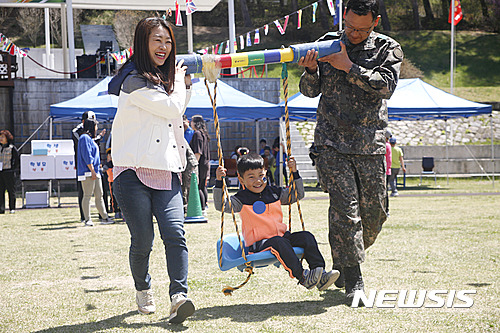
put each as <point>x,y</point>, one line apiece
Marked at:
<point>153,178</point>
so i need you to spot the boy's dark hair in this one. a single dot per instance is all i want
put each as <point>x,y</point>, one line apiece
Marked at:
<point>267,148</point>
<point>249,162</point>
<point>363,7</point>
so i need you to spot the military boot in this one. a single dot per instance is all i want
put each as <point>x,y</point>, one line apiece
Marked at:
<point>339,283</point>
<point>353,282</point>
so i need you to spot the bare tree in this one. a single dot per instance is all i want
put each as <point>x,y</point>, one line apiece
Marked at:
<point>445,5</point>
<point>416,16</point>
<point>124,25</point>
<point>386,25</point>
<point>246,15</point>
<point>428,10</point>
<point>55,25</point>
<point>31,21</point>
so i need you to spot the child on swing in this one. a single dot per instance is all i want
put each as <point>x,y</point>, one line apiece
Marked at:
<point>263,229</point>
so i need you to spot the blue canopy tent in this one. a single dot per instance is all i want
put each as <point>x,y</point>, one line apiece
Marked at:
<point>413,99</point>
<point>232,104</point>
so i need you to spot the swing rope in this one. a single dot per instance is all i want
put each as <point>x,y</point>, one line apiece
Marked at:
<point>225,194</point>
<point>284,76</point>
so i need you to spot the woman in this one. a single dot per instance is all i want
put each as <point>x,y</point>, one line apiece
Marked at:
<point>9,162</point>
<point>149,155</point>
<point>199,145</point>
<point>88,165</point>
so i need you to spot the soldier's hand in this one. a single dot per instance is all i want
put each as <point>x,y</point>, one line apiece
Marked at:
<point>309,60</point>
<point>339,60</point>
<point>220,172</point>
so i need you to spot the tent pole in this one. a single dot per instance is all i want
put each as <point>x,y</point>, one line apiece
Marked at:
<point>447,157</point>
<point>50,128</point>
<point>492,152</point>
<point>257,134</point>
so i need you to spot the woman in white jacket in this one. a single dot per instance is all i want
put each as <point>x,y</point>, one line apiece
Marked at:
<point>149,154</point>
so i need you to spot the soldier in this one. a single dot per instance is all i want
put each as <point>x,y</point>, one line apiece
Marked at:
<point>350,133</point>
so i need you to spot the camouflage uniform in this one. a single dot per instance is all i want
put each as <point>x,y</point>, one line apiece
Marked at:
<point>191,166</point>
<point>350,140</point>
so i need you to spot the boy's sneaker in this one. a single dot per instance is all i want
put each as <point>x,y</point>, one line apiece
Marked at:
<point>327,279</point>
<point>88,223</point>
<point>107,220</point>
<point>181,308</point>
<point>145,301</point>
<point>311,278</point>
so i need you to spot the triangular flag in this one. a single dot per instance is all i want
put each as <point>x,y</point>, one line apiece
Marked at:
<point>242,42</point>
<point>299,19</point>
<point>266,29</point>
<point>178,17</point>
<point>249,40</point>
<point>256,39</point>
<point>286,23</point>
<point>216,51</point>
<point>331,6</point>
<point>280,28</point>
<point>227,47</point>
<point>315,6</point>
<point>190,7</point>
<point>235,45</point>
<point>458,13</point>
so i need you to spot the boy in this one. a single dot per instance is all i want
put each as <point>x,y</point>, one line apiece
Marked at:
<point>259,206</point>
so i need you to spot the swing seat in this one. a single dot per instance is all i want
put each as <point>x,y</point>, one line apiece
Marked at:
<point>231,255</point>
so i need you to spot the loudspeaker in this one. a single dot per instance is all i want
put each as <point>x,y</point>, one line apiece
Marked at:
<point>84,62</point>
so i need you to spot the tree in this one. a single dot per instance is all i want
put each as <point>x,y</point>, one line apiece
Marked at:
<point>428,10</point>
<point>416,16</point>
<point>386,25</point>
<point>55,25</point>
<point>31,23</point>
<point>124,25</point>
<point>444,8</point>
<point>246,14</point>
<point>484,8</point>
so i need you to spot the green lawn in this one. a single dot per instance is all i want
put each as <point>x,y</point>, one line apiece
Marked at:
<point>57,276</point>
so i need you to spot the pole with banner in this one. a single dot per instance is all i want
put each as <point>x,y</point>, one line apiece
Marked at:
<point>454,17</point>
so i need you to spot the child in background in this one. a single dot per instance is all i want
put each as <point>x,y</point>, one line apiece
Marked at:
<point>263,229</point>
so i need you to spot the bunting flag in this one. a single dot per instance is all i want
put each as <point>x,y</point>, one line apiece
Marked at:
<point>227,47</point>
<point>178,17</point>
<point>190,7</point>
<point>458,13</point>
<point>315,6</point>
<point>242,42</point>
<point>331,6</point>
<point>216,51</point>
<point>7,46</point>
<point>299,19</point>
<point>249,40</point>
<point>256,39</point>
<point>286,23</point>
<point>235,45</point>
<point>266,29</point>
<point>280,28</point>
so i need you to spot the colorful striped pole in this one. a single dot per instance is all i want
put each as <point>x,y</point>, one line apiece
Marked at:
<point>291,54</point>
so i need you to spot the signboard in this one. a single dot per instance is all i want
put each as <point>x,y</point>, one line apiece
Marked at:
<point>37,167</point>
<point>65,167</point>
<point>53,147</point>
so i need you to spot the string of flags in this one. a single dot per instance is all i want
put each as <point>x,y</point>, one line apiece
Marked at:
<point>333,6</point>
<point>7,46</point>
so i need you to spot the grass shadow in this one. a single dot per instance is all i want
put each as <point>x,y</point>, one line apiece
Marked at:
<point>261,312</point>
<point>113,323</point>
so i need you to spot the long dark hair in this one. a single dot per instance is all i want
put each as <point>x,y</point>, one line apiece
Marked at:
<point>164,74</point>
<point>200,125</point>
<point>89,127</point>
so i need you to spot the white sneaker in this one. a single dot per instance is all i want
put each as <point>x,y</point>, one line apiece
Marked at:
<point>107,220</point>
<point>181,308</point>
<point>12,211</point>
<point>145,301</point>
<point>88,223</point>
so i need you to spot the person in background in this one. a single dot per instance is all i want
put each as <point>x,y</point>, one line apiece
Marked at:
<point>262,144</point>
<point>75,136</point>
<point>192,162</point>
<point>9,164</point>
<point>149,155</point>
<point>388,159</point>
<point>277,161</point>
<point>88,165</point>
<point>188,131</point>
<point>108,169</point>
<point>398,163</point>
<point>200,147</point>
<point>271,164</point>
<point>234,154</point>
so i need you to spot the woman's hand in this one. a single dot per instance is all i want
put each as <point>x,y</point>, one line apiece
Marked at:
<point>220,172</point>
<point>180,68</point>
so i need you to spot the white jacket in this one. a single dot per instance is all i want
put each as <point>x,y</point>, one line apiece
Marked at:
<point>147,130</point>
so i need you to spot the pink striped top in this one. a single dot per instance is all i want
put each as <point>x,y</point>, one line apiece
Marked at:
<point>153,178</point>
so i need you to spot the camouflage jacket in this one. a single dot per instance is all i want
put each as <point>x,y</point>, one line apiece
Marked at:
<point>352,111</point>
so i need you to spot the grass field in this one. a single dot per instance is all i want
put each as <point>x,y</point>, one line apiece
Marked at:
<point>57,276</point>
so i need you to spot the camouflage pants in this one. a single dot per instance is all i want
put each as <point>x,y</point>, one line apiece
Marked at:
<point>357,188</point>
<point>191,166</point>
